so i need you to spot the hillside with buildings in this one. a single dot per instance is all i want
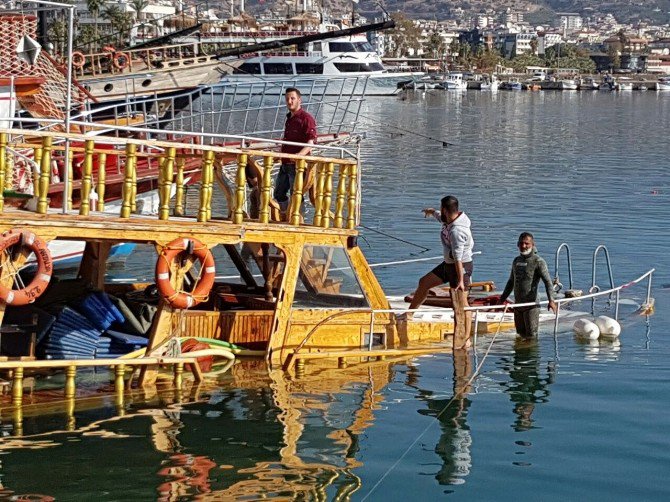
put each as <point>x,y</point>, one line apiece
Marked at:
<point>535,11</point>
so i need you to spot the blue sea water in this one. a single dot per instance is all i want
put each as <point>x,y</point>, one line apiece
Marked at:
<point>555,419</point>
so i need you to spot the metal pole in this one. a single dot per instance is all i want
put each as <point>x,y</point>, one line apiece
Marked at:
<point>68,105</point>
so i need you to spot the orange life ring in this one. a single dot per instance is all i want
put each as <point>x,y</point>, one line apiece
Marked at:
<point>181,299</point>
<point>39,284</point>
<point>120,60</point>
<point>109,48</point>
<point>78,59</point>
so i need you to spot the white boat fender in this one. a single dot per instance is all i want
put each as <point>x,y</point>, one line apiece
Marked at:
<point>584,328</point>
<point>609,328</point>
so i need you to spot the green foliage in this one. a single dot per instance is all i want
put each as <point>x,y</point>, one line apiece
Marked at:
<point>520,62</point>
<point>406,36</point>
<point>121,22</point>
<point>435,46</point>
<point>487,60</point>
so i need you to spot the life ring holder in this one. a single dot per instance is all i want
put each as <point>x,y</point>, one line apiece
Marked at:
<point>196,249</point>
<point>38,285</point>
<point>78,59</point>
<point>120,60</point>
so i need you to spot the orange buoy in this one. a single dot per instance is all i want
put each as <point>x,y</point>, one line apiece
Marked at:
<point>120,60</point>
<point>200,293</point>
<point>78,59</point>
<point>38,285</point>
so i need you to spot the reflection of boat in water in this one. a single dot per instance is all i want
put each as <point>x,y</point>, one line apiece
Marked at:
<point>284,436</point>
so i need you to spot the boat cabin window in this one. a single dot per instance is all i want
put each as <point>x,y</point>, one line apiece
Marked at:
<point>309,69</point>
<point>358,67</point>
<point>316,46</point>
<point>327,280</point>
<point>363,47</point>
<point>248,69</point>
<point>341,47</point>
<point>278,69</point>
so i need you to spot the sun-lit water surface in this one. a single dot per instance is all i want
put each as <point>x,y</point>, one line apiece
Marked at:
<point>554,419</point>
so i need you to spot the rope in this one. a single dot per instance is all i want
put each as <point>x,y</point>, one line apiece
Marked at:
<point>437,417</point>
<point>396,238</point>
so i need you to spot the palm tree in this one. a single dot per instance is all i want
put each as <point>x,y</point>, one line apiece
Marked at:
<point>121,22</point>
<point>94,7</point>
<point>138,6</point>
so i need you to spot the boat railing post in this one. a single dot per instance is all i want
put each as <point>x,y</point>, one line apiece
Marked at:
<point>266,185</point>
<point>341,194</point>
<point>320,168</point>
<point>206,185</point>
<point>127,189</point>
<point>353,189</point>
<point>296,196</point>
<point>70,385</point>
<point>166,175</point>
<point>102,177</point>
<point>86,179</point>
<point>37,155</point>
<point>44,176</point>
<point>327,194</point>
<point>240,189</point>
<point>179,187</point>
<point>69,174</point>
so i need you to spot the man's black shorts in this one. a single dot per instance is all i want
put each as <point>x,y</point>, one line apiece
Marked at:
<point>447,272</point>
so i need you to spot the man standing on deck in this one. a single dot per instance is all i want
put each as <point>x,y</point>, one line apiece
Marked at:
<point>527,270</point>
<point>300,127</point>
<point>456,269</point>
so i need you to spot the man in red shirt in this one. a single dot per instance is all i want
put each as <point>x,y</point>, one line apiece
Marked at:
<point>300,127</point>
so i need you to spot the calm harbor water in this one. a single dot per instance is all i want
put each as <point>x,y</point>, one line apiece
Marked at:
<point>554,419</point>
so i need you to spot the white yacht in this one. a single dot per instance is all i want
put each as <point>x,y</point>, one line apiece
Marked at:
<point>663,84</point>
<point>351,56</point>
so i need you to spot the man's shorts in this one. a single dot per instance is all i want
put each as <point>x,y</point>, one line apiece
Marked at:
<point>447,272</point>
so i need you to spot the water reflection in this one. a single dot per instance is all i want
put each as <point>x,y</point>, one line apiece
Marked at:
<point>455,443</point>
<point>527,386</point>
<point>250,433</point>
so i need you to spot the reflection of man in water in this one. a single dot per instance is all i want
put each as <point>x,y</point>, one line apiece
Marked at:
<point>455,441</point>
<point>527,386</point>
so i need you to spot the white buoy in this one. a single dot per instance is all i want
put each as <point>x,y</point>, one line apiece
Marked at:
<point>609,328</point>
<point>584,328</point>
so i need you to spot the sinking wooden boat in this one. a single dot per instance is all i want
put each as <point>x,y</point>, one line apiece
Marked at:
<point>291,288</point>
<point>302,287</point>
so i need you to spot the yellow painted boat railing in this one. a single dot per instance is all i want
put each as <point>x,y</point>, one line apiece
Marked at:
<point>335,191</point>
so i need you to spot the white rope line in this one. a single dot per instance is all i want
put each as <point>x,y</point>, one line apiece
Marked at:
<point>402,262</point>
<point>475,374</point>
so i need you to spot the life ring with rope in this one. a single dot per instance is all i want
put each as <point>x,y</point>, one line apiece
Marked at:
<point>120,60</point>
<point>78,59</point>
<point>205,281</point>
<point>33,290</point>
